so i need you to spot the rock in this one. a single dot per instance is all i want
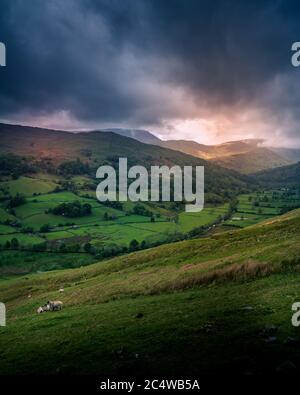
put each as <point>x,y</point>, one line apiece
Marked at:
<point>286,367</point>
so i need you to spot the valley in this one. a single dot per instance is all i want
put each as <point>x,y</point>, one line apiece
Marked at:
<point>145,283</point>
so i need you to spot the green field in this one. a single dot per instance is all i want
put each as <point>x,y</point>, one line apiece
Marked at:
<point>218,300</point>
<point>256,207</point>
<point>188,221</point>
<point>29,186</point>
<point>106,227</point>
<point>111,228</point>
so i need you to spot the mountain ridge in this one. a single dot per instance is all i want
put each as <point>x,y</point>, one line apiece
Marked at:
<point>246,156</point>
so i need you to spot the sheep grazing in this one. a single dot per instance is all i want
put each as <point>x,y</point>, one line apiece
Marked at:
<point>51,305</point>
<point>55,305</point>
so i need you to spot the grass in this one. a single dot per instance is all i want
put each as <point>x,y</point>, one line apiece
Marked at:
<point>270,204</point>
<point>191,298</point>
<point>120,229</point>
<point>29,186</point>
<point>188,221</point>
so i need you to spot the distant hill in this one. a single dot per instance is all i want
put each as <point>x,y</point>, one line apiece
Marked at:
<point>245,156</point>
<point>138,134</point>
<point>95,148</point>
<point>281,176</point>
<point>254,160</point>
<point>292,154</point>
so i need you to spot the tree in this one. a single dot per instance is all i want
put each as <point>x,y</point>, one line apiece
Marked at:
<point>87,247</point>
<point>134,245</point>
<point>62,247</point>
<point>45,228</point>
<point>16,201</point>
<point>14,244</point>
<point>73,167</point>
<point>144,245</point>
<point>72,210</point>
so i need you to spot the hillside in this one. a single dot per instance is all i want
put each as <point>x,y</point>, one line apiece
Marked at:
<point>212,151</point>
<point>282,176</point>
<point>292,154</point>
<point>254,160</point>
<point>50,217</point>
<point>138,134</point>
<point>218,300</point>
<point>95,148</point>
<point>245,156</point>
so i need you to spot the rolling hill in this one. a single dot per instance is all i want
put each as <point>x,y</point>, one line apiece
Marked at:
<point>254,160</point>
<point>224,301</point>
<point>246,156</point>
<point>282,176</point>
<point>292,154</point>
<point>95,148</point>
<point>138,134</point>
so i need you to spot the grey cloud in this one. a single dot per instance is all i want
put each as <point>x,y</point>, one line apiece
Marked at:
<point>124,61</point>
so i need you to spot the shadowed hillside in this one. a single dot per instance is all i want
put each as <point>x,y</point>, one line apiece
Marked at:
<point>283,176</point>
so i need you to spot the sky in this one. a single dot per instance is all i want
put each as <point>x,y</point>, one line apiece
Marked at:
<point>209,71</point>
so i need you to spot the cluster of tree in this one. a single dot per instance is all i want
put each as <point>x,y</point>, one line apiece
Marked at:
<point>12,222</point>
<point>108,217</point>
<point>112,250</point>
<point>71,247</point>
<point>73,167</point>
<point>15,165</point>
<point>13,244</point>
<point>116,205</point>
<point>45,228</point>
<point>17,200</point>
<point>139,209</point>
<point>66,185</point>
<point>72,209</point>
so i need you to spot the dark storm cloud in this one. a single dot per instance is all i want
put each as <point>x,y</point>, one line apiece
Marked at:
<point>124,60</point>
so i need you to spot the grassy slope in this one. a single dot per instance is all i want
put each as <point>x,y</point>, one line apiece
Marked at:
<point>191,295</point>
<point>28,186</point>
<point>255,160</point>
<point>248,214</point>
<point>286,175</point>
